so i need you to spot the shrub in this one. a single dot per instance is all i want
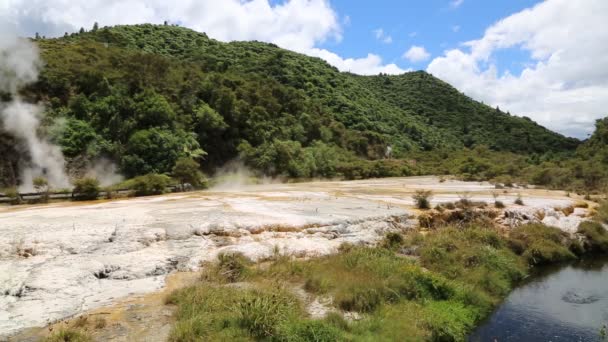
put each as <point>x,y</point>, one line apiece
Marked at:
<point>596,234</point>
<point>519,200</point>
<point>422,199</point>
<point>392,240</point>
<point>150,184</point>
<point>13,195</point>
<point>85,189</point>
<point>499,205</point>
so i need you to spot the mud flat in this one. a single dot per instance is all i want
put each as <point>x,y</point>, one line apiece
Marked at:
<point>60,260</point>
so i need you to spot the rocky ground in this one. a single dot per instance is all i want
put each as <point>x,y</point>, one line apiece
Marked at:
<point>63,259</point>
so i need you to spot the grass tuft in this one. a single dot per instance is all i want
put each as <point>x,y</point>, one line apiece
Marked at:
<point>596,236</point>
<point>540,244</point>
<point>68,335</point>
<point>422,199</point>
<point>231,267</point>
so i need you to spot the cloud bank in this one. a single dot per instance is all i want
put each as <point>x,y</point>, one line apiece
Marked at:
<point>565,85</point>
<point>299,25</point>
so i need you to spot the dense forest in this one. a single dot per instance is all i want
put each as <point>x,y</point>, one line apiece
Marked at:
<point>145,96</point>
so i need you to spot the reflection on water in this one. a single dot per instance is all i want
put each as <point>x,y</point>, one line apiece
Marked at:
<point>567,303</point>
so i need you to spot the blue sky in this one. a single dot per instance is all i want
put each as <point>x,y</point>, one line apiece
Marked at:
<point>437,25</point>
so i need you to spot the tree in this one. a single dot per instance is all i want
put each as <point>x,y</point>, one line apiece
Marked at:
<point>187,171</point>
<point>81,31</point>
<point>79,138</point>
<point>156,150</point>
<point>85,189</point>
<point>95,27</point>
<point>153,110</point>
<point>208,124</point>
<point>37,37</point>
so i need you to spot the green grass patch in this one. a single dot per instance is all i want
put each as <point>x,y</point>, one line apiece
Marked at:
<point>539,244</point>
<point>450,321</point>
<point>434,286</point>
<point>477,257</point>
<point>212,313</point>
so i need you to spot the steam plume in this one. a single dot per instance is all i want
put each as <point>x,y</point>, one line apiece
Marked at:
<point>19,65</point>
<point>234,176</point>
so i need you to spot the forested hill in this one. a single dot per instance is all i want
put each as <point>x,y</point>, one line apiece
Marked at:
<point>144,95</point>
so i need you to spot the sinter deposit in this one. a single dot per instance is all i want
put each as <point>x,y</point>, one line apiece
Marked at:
<point>60,260</point>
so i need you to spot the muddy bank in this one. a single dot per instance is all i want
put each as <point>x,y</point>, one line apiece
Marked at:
<point>60,260</point>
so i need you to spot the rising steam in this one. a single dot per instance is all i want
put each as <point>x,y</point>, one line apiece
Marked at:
<point>19,65</point>
<point>234,176</point>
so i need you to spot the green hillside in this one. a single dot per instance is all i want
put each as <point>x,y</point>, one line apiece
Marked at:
<point>146,95</point>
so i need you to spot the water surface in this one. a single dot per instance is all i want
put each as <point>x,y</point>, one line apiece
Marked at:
<point>563,303</point>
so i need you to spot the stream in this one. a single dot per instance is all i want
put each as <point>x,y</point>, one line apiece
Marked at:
<point>560,303</point>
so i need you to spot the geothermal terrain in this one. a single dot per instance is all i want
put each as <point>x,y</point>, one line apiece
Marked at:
<point>60,260</point>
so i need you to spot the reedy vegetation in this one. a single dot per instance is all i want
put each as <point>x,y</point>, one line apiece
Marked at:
<point>451,280</point>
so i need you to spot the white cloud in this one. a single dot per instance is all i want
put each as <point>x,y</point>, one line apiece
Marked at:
<point>566,85</point>
<point>413,34</point>
<point>370,65</point>
<point>299,25</point>
<point>456,28</point>
<point>456,3</point>
<point>382,36</point>
<point>416,54</point>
